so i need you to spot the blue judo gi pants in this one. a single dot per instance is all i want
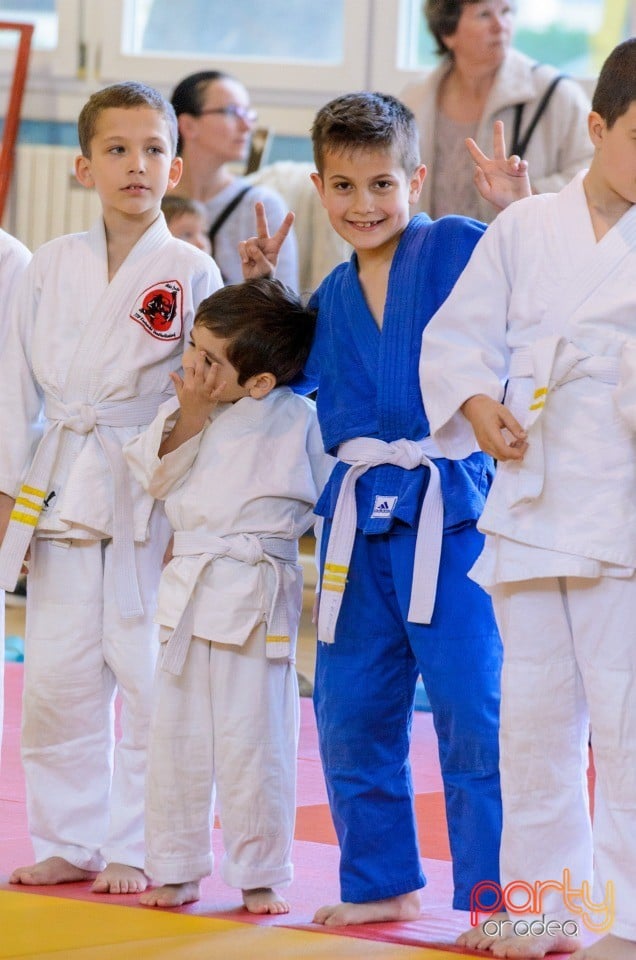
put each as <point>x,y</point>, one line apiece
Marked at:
<point>364,693</point>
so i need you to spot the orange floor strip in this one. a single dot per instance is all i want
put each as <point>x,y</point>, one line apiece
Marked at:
<point>314,823</point>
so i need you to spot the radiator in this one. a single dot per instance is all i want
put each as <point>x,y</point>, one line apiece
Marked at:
<point>46,200</point>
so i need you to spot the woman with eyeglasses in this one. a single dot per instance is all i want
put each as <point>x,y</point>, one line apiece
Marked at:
<point>216,122</point>
<point>482,78</point>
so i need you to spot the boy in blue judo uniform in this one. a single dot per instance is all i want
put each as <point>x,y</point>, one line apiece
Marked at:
<point>399,529</point>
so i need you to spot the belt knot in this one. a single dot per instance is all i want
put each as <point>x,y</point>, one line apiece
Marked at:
<point>406,453</point>
<point>81,418</point>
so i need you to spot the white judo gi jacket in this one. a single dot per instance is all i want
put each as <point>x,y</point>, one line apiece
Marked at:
<point>14,258</point>
<point>543,319</point>
<point>88,360</point>
<point>255,471</point>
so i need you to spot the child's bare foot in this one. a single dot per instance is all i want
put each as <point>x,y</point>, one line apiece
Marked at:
<point>476,938</point>
<point>120,878</point>
<point>50,871</point>
<point>492,935</point>
<point>171,894</point>
<point>405,907</point>
<point>264,900</point>
<point>608,948</point>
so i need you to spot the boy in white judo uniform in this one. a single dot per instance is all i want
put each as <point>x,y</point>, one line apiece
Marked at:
<point>238,459</point>
<point>547,304</point>
<point>99,323</point>
<point>14,258</point>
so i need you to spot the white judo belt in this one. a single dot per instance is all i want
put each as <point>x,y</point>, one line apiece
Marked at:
<point>82,418</point>
<point>247,549</point>
<point>551,362</point>
<point>364,453</point>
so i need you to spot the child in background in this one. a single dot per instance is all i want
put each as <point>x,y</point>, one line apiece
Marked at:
<point>399,524</point>
<point>543,316</point>
<point>14,257</point>
<point>99,322</point>
<point>238,459</point>
<point>186,220</point>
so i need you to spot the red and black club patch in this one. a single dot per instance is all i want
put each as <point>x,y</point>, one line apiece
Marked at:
<point>159,310</point>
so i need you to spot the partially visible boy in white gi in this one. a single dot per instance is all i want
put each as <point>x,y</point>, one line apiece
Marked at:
<point>238,459</point>
<point>99,323</point>
<point>547,305</point>
<point>14,258</point>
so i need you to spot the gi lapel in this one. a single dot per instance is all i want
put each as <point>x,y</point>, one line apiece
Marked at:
<point>361,327</point>
<point>398,380</point>
<point>590,264</point>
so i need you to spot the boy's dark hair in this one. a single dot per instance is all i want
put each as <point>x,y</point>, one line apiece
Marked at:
<point>189,94</point>
<point>126,95</point>
<point>616,86</point>
<point>442,17</point>
<point>268,328</point>
<point>174,206</point>
<point>366,121</point>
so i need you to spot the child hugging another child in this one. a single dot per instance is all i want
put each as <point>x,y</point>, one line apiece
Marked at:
<point>399,522</point>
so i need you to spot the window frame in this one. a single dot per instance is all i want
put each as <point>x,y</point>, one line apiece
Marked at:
<point>294,82</point>
<point>389,45</point>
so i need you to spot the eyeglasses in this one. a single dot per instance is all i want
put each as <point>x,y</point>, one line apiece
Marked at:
<point>248,114</point>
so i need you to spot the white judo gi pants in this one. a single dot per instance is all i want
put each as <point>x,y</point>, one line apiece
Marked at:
<point>228,725</point>
<point>85,793</point>
<point>569,660</point>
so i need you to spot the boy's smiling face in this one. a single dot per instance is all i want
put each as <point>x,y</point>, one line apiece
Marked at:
<point>367,195</point>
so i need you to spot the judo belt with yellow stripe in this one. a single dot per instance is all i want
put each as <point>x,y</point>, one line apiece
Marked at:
<point>247,549</point>
<point>551,362</point>
<point>362,454</point>
<point>82,418</point>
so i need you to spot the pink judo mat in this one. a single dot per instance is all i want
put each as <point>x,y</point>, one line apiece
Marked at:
<point>315,849</point>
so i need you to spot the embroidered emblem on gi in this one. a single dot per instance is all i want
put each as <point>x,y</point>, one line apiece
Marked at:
<point>159,310</point>
<point>383,507</point>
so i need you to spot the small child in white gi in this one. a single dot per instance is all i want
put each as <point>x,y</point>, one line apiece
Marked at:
<point>547,306</point>
<point>238,459</point>
<point>99,324</point>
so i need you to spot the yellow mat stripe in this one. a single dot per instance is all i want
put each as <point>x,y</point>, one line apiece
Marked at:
<point>48,928</point>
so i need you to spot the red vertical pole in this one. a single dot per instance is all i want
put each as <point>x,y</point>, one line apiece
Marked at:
<point>12,119</point>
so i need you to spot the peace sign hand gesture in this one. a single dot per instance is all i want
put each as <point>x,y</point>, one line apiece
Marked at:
<point>259,254</point>
<point>500,180</point>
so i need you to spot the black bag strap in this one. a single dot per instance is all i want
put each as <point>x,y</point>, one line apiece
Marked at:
<point>225,213</point>
<point>520,144</point>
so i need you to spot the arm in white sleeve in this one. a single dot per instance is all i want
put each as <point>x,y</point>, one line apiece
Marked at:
<point>464,346</point>
<point>159,476</point>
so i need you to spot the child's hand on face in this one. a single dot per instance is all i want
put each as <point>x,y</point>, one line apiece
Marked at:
<point>489,419</point>
<point>500,180</point>
<point>259,254</point>
<point>199,390</point>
